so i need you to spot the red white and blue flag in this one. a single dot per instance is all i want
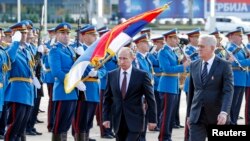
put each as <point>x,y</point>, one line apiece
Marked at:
<point>110,43</point>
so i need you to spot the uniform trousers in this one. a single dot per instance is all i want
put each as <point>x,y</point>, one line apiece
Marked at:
<point>64,114</point>
<point>169,102</point>
<point>16,120</point>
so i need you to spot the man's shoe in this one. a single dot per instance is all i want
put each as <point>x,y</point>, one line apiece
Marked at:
<point>176,126</point>
<point>181,126</point>
<point>31,133</point>
<point>38,133</point>
<point>107,137</point>
<point>156,129</point>
<point>39,121</point>
<point>91,139</point>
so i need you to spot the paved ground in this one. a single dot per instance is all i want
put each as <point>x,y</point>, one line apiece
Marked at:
<point>178,134</point>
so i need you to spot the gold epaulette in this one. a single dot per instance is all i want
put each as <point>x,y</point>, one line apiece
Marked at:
<point>4,44</point>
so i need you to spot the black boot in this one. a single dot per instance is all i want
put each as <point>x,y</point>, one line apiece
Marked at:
<point>63,136</point>
<point>77,137</point>
<point>56,137</point>
<point>23,137</point>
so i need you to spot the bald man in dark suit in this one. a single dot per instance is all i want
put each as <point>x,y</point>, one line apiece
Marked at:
<point>123,99</point>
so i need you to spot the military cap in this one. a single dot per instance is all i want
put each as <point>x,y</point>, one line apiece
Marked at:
<point>236,31</point>
<point>102,28</point>
<point>63,27</point>
<point>145,30</point>
<point>101,32</point>
<point>21,26</point>
<point>194,33</point>
<point>170,33</point>
<point>88,29</point>
<point>216,33</point>
<point>160,38</point>
<point>51,29</point>
<point>7,31</point>
<point>28,23</point>
<point>141,38</point>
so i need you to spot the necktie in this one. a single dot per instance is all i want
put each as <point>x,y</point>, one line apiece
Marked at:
<point>124,84</point>
<point>204,74</point>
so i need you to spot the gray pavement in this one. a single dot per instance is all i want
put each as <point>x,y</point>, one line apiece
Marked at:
<point>178,134</point>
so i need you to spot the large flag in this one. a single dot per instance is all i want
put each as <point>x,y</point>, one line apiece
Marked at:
<point>110,42</point>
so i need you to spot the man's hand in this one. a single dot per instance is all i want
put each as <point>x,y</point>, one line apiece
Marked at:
<point>106,124</point>
<point>151,126</point>
<point>222,118</point>
<point>93,73</point>
<point>17,36</point>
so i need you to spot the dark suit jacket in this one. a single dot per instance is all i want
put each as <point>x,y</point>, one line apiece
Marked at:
<point>131,105</point>
<point>217,93</point>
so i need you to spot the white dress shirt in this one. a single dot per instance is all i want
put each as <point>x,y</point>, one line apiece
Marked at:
<point>129,70</point>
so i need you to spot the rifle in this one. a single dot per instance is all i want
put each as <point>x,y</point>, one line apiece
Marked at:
<point>183,42</point>
<point>235,59</point>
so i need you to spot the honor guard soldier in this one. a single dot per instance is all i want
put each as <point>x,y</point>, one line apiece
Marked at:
<point>20,78</point>
<point>47,76</point>
<point>239,61</point>
<point>102,28</point>
<point>7,36</point>
<point>169,82</point>
<point>61,58</point>
<point>32,48</point>
<point>142,62</point>
<point>247,91</point>
<point>88,101</point>
<point>109,66</point>
<point>158,43</point>
<point>191,51</point>
<point>220,52</point>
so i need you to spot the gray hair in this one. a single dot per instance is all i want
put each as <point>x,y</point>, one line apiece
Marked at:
<point>126,49</point>
<point>209,40</point>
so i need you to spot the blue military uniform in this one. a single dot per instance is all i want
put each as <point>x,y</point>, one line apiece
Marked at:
<point>191,51</point>
<point>48,78</point>
<point>20,78</point>
<point>61,58</point>
<point>142,62</point>
<point>153,57</point>
<point>219,52</point>
<point>240,76</point>
<point>88,100</point>
<point>168,84</point>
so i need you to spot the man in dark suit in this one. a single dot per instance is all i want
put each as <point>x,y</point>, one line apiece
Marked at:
<point>123,99</point>
<point>210,90</point>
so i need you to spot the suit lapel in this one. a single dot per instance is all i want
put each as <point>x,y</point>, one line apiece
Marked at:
<point>118,81</point>
<point>211,72</point>
<point>131,82</point>
<point>199,71</point>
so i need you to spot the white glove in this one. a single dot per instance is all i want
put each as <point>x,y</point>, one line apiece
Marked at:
<point>81,86</point>
<point>93,73</point>
<point>36,83</point>
<point>17,36</point>
<point>52,42</point>
<point>40,49</point>
<point>79,50</point>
